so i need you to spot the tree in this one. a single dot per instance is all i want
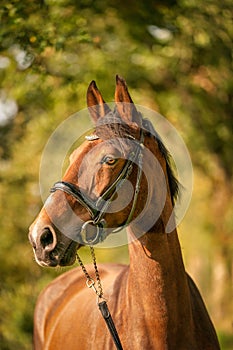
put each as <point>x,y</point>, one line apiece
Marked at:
<point>176,58</point>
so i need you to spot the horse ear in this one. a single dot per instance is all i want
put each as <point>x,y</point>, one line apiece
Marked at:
<point>95,102</point>
<point>124,103</point>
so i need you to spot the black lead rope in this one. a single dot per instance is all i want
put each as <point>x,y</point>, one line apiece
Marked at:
<point>102,304</point>
<point>109,321</point>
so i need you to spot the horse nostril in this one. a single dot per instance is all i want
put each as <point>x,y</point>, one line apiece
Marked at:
<point>46,238</point>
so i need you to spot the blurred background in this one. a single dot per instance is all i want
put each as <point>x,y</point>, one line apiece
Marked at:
<point>176,58</point>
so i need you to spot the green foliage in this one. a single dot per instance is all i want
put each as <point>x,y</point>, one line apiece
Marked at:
<point>226,341</point>
<point>176,58</point>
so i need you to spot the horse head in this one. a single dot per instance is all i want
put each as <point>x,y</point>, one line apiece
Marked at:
<point>105,187</point>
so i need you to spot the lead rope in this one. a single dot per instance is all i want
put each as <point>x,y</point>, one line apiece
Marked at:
<point>99,292</point>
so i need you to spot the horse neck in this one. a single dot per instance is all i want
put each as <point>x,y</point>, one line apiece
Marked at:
<point>157,287</point>
<point>156,261</point>
<point>155,252</point>
<point>157,280</point>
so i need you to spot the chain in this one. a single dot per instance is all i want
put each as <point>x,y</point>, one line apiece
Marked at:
<point>89,280</point>
<point>103,307</point>
<point>100,295</point>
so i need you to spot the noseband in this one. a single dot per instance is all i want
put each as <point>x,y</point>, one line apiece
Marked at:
<point>98,208</point>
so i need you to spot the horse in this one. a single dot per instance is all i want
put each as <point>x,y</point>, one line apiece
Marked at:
<point>153,301</point>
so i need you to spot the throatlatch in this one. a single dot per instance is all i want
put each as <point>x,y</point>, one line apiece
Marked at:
<point>101,301</point>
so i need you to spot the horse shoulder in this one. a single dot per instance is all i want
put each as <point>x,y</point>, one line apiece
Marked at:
<point>67,292</point>
<point>205,333</point>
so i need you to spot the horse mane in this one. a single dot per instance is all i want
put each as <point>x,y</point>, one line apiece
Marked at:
<point>111,127</point>
<point>173,182</point>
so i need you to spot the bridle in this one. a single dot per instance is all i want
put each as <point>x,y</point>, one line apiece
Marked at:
<point>98,208</point>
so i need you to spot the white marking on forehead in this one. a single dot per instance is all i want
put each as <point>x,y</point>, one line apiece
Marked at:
<point>91,137</point>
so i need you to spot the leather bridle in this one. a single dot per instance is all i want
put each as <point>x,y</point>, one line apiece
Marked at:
<point>98,208</point>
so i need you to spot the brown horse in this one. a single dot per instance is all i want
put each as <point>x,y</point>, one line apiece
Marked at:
<point>153,301</point>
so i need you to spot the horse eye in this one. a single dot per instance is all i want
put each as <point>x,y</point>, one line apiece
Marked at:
<point>109,160</point>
